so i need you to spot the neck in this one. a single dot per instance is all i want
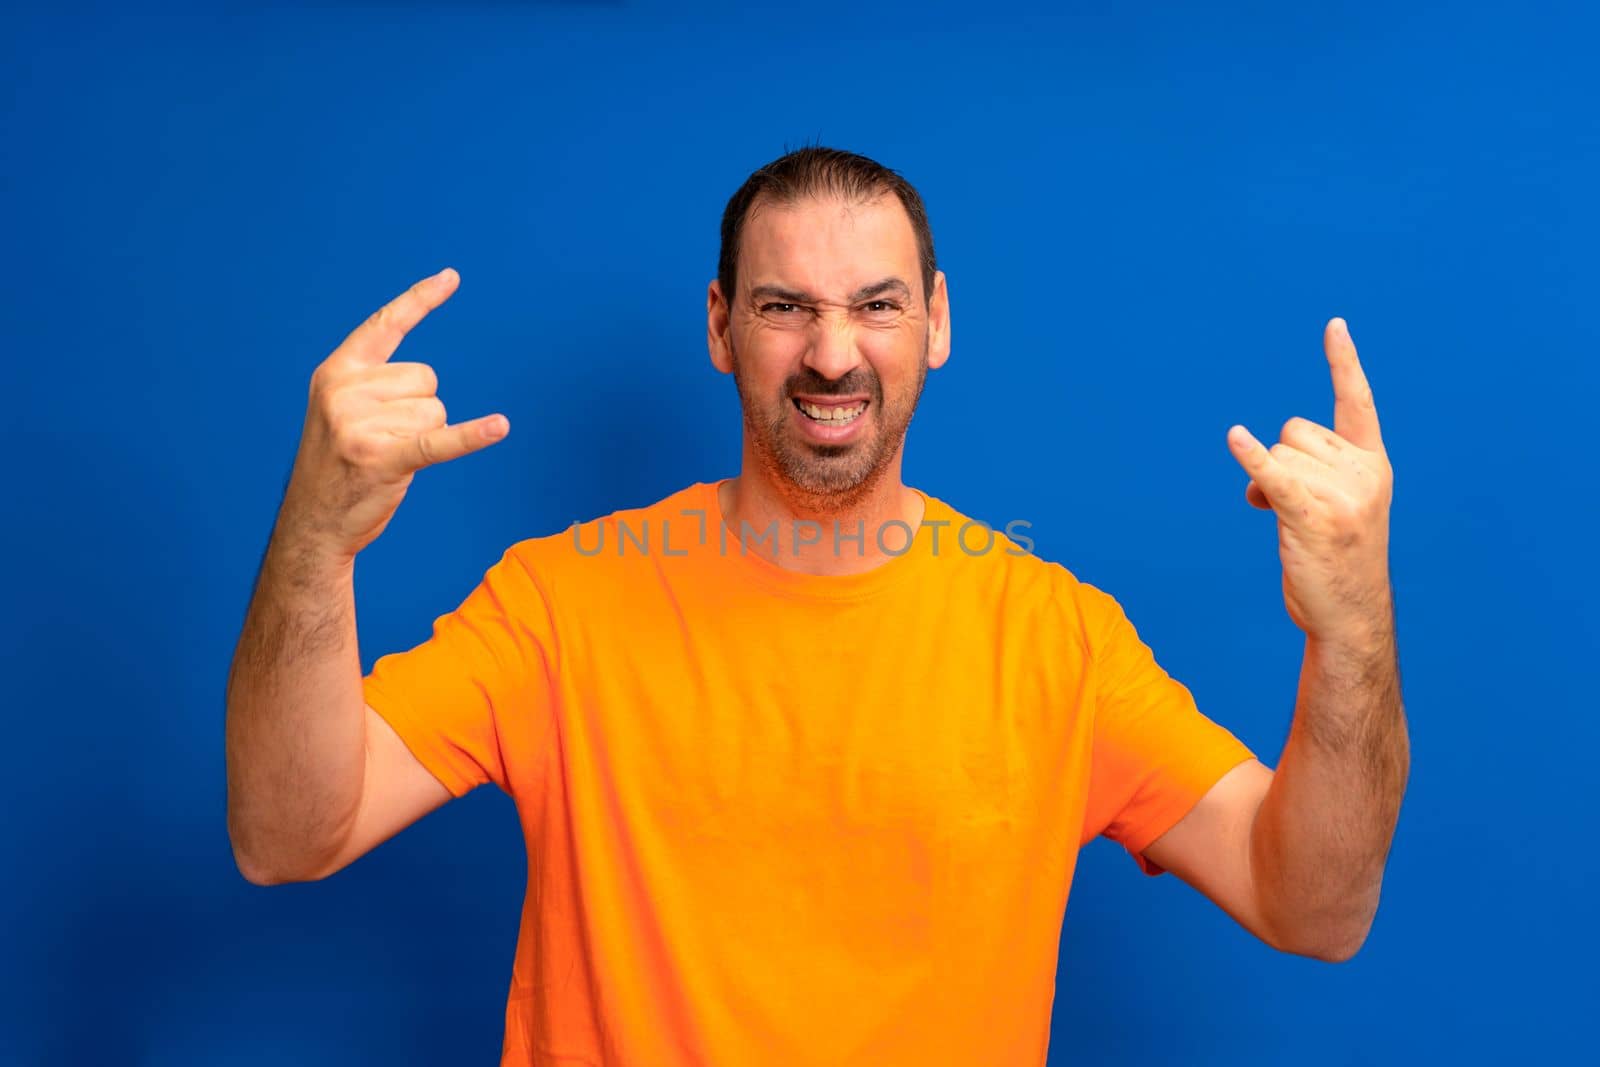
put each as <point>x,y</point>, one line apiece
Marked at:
<point>757,500</point>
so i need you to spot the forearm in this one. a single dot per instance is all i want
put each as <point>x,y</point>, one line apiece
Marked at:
<point>296,732</point>
<point>1321,837</point>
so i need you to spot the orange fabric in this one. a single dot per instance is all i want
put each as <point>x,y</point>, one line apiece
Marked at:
<point>782,819</point>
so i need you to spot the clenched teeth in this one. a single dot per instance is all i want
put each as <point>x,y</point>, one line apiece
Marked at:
<point>835,415</point>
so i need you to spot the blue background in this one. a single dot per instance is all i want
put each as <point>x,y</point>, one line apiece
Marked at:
<point>1146,215</point>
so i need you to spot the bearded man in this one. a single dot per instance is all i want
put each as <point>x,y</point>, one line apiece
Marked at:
<point>803,758</point>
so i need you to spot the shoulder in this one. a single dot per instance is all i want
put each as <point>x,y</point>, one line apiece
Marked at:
<point>1001,558</point>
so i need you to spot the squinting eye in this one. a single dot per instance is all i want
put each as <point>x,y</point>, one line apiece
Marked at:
<point>882,305</point>
<point>780,307</point>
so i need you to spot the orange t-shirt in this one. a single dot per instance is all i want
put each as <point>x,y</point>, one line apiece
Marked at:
<point>776,818</point>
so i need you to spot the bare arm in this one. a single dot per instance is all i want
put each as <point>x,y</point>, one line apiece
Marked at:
<point>1322,835</point>
<point>315,777</point>
<point>1297,855</point>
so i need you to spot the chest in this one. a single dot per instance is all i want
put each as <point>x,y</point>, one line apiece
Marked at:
<point>932,721</point>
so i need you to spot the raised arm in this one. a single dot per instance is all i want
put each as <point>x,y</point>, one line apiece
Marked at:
<point>1297,855</point>
<point>315,777</point>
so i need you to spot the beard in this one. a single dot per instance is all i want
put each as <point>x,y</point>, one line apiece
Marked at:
<point>828,477</point>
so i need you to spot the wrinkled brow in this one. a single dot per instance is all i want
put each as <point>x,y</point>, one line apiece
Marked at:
<point>799,296</point>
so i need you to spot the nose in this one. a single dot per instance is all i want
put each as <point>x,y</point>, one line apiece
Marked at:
<point>832,352</point>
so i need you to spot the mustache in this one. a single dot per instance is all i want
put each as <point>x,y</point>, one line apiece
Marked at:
<point>808,381</point>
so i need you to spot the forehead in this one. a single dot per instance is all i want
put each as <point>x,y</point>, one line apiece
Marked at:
<point>827,246</point>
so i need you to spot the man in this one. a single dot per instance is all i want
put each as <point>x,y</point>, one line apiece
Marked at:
<point>804,757</point>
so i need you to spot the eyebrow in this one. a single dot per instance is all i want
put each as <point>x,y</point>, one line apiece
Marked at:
<point>797,296</point>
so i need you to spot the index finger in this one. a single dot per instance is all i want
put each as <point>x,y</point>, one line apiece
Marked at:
<point>375,340</point>
<point>1355,416</point>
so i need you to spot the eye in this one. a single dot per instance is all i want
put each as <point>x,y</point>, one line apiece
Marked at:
<point>878,307</point>
<point>781,309</point>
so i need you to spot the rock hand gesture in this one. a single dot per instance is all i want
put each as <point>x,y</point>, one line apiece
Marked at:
<point>371,424</point>
<point>1331,491</point>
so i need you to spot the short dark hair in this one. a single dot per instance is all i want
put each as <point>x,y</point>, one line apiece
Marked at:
<point>819,171</point>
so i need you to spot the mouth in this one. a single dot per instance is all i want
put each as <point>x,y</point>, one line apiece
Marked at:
<point>831,411</point>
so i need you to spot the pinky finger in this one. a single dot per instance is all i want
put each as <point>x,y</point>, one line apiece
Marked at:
<point>1273,480</point>
<point>452,442</point>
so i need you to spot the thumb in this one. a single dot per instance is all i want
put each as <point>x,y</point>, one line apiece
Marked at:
<point>1257,498</point>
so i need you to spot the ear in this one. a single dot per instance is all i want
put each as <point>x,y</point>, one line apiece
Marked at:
<point>938,323</point>
<point>717,326</point>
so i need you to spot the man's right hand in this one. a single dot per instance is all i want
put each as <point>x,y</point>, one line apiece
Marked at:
<point>371,425</point>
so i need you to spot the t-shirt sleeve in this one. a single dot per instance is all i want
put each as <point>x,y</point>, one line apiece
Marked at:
<point>1154,753</point>
<point>468,698</point>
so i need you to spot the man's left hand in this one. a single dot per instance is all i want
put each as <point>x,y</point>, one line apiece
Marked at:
<point>1331,491</point>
